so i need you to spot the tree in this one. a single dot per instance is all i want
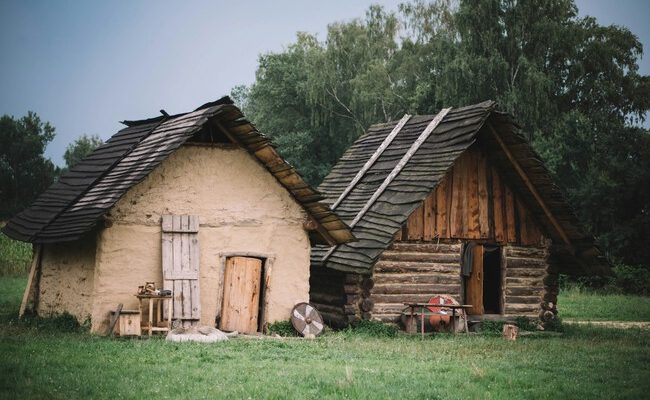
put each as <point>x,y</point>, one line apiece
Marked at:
<point>572,84</point>
<point>80,148</point>
<point>24,171</point>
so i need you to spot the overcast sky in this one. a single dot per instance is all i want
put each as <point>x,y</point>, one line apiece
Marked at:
<point>86,65</point>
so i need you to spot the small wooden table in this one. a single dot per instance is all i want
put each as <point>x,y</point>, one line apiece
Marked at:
<point>154,324</point>
<point>423,306</point>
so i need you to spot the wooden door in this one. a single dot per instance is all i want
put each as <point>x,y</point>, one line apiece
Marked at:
<point>180,256</point>
<point>241,294</point>
<point>474,283</point>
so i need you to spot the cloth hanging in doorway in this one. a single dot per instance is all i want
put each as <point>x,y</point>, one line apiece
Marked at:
<point>468,256</point>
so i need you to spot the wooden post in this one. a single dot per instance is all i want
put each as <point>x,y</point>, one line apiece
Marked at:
<point>32,280</point>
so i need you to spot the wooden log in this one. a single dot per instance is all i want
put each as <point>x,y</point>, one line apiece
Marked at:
<point>334,320</point>
<point>525,291</point>
<point>510,332</point>
<point>521,308</point>
<point>410,298</point>
<point>403,288</point>
<point>351,289</point>
<point>388,308</point>
<point>522,299</point>
<point>367,283</point>
<point>524,282</point>
<point>546,315</point>
<point>422,257</point>
<point>415,266</point>
<point>531,252</point>
<point>32,280</point>
<point>326,298</point>
<point>367,305</point>
<point>353,278</point>
<point>367,316</point>
<point>387,318</point>
<point>428,278</point>
<point>437,248</point>
<point>525,272</point>
<point>350,309</point>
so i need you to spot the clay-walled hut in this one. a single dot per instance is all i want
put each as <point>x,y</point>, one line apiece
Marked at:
<point>419,194</point>
<point>193,202</point>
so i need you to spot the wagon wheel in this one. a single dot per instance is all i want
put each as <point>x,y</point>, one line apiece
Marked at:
<point>306,319</point>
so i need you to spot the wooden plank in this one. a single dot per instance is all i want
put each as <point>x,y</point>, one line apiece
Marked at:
<point>474,283</point>
<point>455,219</point>
<point>415,224</point>
<point>241,294</point>
<point>114,317</point>
<point>441,208</point>
<point>195,255</point>
<point>483,197</point>
<point>383,146</point>
<point>511,223</point>
<point>530,186</point>
<point>522,215</point>
<point>472,212</point>
<point>31,279</point>
<point>429,223</point>
<point>498,204</point>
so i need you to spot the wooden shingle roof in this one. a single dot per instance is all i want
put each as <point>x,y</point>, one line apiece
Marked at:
<point>75,203</point>
<point>376,206</point>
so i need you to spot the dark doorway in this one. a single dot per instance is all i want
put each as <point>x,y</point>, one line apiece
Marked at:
<point>492,279</point>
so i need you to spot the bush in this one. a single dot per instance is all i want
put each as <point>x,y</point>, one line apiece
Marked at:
<point>554,325</point>
<point>491,327</point>
<point>630,280</point>
<point>372,328</point>
<point>15,256</point>
<point>282,328</point>
<point>526,324</point>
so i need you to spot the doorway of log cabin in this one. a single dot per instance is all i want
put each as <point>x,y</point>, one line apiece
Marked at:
<point>482,278</point>
<point>243,293</point>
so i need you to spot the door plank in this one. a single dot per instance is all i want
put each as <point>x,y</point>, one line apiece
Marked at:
<point>241,297</point>
<point>474,283</point>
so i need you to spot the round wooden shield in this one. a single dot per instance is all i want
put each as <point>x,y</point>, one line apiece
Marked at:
<point>306,319</point>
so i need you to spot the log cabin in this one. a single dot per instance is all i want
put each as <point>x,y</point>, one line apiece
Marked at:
<point>199,203</point>
<point>456,203</point>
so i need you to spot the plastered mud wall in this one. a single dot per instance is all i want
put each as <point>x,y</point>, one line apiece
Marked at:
<point>241,208</point>
<point>66,280</point>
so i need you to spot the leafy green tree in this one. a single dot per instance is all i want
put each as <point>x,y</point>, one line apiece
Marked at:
<point>572,84</point>
<point>24,171</point>
<point>80,148</point>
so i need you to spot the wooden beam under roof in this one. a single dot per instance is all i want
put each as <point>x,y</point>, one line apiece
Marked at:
<point>530,185</point>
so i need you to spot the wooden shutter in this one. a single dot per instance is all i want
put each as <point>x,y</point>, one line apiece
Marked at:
<point>241,294</point>
<point>180,258</point>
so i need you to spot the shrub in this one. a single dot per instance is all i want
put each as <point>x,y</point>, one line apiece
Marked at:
<point>282,328</point>
<point>554,325</point>
<point>15,256</point>
<point>372,328</point>
<point>526,324</point>
<point>630,280</point>
<point>491,327</point>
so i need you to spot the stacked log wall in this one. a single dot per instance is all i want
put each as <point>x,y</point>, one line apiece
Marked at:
<point>530,283</point>
<point>413,272</point>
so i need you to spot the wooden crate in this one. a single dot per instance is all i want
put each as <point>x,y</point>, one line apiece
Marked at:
<point>129,323</point>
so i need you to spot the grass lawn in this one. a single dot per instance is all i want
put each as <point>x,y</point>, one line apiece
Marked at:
<point>584,362</point>
<point>576,303</point>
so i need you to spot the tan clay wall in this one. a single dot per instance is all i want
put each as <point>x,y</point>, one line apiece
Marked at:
<point>66,281</point>
<point>241,208</point>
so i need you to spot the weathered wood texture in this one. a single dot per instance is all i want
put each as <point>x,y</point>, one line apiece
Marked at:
<point>526,270</point>
<point>474,284</point>
<point>180,263</point>
<point>241,295</point>
<point>414,272</point>
<point>473,202</point>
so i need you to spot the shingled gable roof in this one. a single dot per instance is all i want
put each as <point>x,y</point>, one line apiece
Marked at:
<point>376,207</point>
<point>75,203</point>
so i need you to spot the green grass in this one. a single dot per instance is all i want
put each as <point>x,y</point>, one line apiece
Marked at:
<point>584,362</point>
<point>577,303</point>
<point>15,256</point>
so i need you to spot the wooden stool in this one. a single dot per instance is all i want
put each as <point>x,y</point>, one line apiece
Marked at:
<point>154,322</point>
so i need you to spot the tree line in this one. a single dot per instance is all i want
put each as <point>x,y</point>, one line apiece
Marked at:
<point>573,85</point>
